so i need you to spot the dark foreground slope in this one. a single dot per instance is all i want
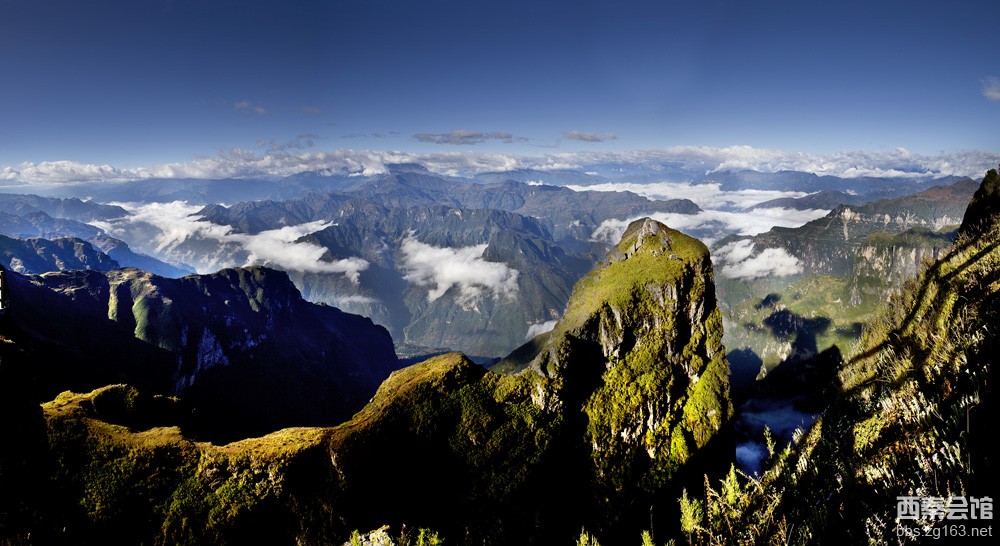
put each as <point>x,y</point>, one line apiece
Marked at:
<point>913,418</point>
<point>629,389</point>
<point>242,347</point>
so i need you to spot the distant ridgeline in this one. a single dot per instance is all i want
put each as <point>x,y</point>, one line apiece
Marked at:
<point>607,415</point>
<point>833,276</point>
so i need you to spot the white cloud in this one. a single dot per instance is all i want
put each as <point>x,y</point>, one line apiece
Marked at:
<point>708,196</point>
<point>991,88</point>
<point>461,136</point>
<point>694,160</point>
<point>585,136</point>
<point>709,225</point>
<point>278,247</point>
<point>248,106</point>
<point>738,262</point>
<point>161,229</point>
<point>346,300</point>
<point>441,268</point>
<point>541,328</point>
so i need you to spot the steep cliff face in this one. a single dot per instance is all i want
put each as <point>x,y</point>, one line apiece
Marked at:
<point>883,261</point>
<point>984,207</point>
<point>827,245</point>
<point>645,330</point>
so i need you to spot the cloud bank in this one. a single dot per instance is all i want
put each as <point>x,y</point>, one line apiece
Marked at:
<point>441,268</point>
<point>738,262</point>
<point>708,196</point>
<point>710,225</point>
<point>164,229</point>
<point>694,160</point>
<point>538,329</point>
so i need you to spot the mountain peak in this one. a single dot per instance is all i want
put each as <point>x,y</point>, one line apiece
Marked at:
<point>656,238</point>
<point>984,207</point>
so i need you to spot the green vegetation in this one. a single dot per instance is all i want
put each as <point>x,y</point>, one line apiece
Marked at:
<point>806,317</point>
<point>621,396</point>
<point>912,419</point>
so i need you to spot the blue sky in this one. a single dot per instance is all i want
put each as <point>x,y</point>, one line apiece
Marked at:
<point>133,83</point>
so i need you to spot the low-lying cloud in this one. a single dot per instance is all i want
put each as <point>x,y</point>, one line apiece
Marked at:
<point>541,328</point>
<point>441,268</point>
<point>711,225</point>
<point>708,196</point>
<point>165,229</point>
<point>739,262</point>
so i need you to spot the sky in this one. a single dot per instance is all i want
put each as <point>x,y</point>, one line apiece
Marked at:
<point>124,85</point>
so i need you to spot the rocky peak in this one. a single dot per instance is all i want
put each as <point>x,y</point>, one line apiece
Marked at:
<point>984,207</point>
<point>640,350</point>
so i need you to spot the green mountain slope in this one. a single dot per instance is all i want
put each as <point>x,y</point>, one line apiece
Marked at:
<point>626,393</point>
<point>912,419</point>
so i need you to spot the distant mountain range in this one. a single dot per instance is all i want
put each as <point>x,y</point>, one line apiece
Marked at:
<point>538,235</point>
<point>71,209</point>
<point>822,200</point>
<point>42,255</point>
<point>31,217</point>
<point>827,245</point>
<point>870,188</point>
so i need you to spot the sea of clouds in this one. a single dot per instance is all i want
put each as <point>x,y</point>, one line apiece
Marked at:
<point>162,229</point>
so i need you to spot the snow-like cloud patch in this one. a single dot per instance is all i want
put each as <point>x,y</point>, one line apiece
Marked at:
<point>739,262</point>
<point>161,229</point>
<point>710,225</point>
<point>441,268</point>
<point>539,329</point>
<point>347,301</point>
<point>709,196</point>
<point>279,247</point>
